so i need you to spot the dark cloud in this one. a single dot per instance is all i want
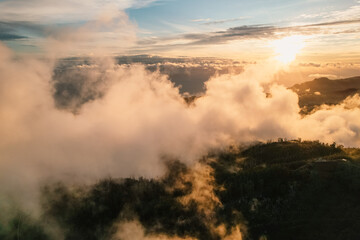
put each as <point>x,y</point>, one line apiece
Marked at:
<point>9,32</point>
<point>241,32</point>
<point>255,31</point>
<point>20,30</point>
<point>245,32</point>
<point>210,38</point>
<point>8,36</point>
<point>260,31</point>
<point>333,23</point>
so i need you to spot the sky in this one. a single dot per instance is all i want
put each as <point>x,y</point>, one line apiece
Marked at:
<point>207,28</point>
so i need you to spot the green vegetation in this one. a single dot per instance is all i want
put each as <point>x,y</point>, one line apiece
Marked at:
<point>278,190</point>
<point>292,190</point>
<point>90,213</point>
<point>22,226</point>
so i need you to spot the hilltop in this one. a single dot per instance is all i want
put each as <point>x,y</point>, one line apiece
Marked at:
<point>277,190</point>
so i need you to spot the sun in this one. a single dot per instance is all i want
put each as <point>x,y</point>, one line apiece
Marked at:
<point>287,48</point>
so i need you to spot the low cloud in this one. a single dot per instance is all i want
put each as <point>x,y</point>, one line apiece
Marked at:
<point>133,230</point>
<point>321,75</point>
<point>142,117</point>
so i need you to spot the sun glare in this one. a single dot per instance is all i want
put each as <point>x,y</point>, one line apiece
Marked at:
<point>287,48</point>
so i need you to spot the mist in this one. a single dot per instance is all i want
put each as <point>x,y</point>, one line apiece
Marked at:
<point>127,121</point>
<point>141,117</point>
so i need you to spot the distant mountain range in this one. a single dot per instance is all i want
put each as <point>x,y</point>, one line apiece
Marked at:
<point>325,91</point>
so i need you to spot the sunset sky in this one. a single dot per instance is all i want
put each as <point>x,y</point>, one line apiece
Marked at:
<point>208,28</point>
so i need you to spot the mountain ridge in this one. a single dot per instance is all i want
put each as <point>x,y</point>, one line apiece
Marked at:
<point>325,91</point>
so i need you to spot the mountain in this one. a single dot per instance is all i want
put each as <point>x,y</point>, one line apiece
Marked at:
<point>325,91</point>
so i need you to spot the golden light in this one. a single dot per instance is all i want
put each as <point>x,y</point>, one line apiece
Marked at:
<point>287,48</point>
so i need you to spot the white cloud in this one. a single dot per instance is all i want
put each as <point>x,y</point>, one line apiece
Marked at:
<point>352,12</point>
<point>321,75</point>
<point>141,118</point>
<point>201,20</point>
<point>64,11</point>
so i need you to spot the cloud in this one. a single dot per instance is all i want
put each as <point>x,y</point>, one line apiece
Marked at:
<point>201,20</point>
<point>43,11</point>
<point>321,75</point>
<point>43,19</point>
<point>140,118</point>
<point>9,36</point>
<point>133,230</point>
<point>88,25</point>
<point>351,12</point>
<point>309,71</point>
<point>309,65</point>
<point>332,23</point>
<point>242,32</point>
<point>10,31</point>
<point>224,21</point>
<point>111,32</point>
<point>208,21</point>
<point>249,32</point>
<point>255,31</point>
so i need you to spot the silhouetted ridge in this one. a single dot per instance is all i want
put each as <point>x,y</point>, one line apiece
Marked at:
<point>325,91</point>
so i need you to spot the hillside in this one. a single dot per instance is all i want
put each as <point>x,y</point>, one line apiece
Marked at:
<point>325,91</point>
<point>277,190</point>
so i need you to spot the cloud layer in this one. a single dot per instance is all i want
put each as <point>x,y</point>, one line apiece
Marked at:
<point>143,117</point>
